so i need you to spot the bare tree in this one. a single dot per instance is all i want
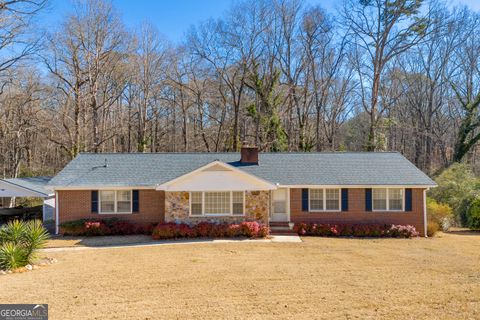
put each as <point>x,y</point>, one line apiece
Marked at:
<point>380,30</point>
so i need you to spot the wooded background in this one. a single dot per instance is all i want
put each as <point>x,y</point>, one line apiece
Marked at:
<point>375,75</point>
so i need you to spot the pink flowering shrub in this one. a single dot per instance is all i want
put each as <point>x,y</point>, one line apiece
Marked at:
<point>355,230</point>
<point>401,231</point>
<point>210,230</point>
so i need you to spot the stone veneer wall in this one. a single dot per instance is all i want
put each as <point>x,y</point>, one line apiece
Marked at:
<point>177,209</point>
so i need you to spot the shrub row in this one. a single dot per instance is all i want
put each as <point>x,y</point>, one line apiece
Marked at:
<point>105,227</point>
<point>356,230</point>
<point>210,230</point>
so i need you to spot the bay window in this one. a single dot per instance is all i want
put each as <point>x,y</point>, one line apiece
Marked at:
<point>387,199</point>
<point>217,203</point>
<point>324,199</point>
<point>115,201</point>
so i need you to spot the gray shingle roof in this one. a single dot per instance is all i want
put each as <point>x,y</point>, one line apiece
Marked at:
<point>149,169</point>
<point>36,184</point>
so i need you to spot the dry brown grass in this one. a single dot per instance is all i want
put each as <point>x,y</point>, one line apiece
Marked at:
<point>321,278</point>
<point>63,242</point>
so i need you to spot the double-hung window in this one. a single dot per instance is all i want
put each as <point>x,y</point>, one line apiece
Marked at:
<point>388,199</point>
<point>324,199</point>
<point>217,203</point>
<point>115,201</point>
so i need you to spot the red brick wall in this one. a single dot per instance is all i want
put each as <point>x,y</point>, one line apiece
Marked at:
<point>76,204</point>
<point>356,211</point>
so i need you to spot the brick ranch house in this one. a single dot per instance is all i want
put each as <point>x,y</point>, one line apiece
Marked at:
<point>275,188</point>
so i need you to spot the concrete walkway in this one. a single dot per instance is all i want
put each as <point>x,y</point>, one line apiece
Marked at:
<point>273,239</point>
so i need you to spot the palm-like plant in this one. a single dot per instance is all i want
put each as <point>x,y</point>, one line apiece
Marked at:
<point>19,242</point>
<point>13,231</point>
<point>12,256</point>
<point>35,237</point>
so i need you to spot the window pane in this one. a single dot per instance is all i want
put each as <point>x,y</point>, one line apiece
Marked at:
<point>217,202</point>
<point>238,208</point>
<point>196,197</point>
<point>107,200</point>
<point>123,195</point>
<point>332,199</point>
<point>237,199</point>
<point>316,199</point>
<point>196,202</point>
<point>395,199</point>
<point>379,199</point>
<point>124,201</point>
<point>196,209</point>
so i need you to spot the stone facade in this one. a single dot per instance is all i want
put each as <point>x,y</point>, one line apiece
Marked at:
<point>177,209</point>
<point>257,205</point>
<point>177,206</point>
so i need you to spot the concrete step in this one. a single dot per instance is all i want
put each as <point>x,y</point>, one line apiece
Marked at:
<point>282,228</point>
<point>281,231</point>
<point>278,224</point>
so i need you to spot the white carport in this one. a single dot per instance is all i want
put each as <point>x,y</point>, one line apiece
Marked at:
<point>30,187</point>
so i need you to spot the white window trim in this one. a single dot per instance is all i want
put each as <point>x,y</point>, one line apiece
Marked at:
<point>325,200</point>
<point>388,201</point>
<point>115,202</point>
<point>215,214</point>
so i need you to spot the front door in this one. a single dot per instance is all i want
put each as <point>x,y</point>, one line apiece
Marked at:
<point>279,210</point>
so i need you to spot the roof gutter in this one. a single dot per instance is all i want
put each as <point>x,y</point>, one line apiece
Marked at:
<point>101,187</point>
<point>354,186</point>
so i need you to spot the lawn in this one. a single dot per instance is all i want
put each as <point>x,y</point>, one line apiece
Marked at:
<point>319,278</point>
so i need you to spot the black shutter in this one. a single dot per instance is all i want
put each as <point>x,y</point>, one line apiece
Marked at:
<point>304,199</point>
<point>94,201</point>
<point>368,199</point>
<point>344,199</point>
<point>408,199</point>
<point>135,202</point>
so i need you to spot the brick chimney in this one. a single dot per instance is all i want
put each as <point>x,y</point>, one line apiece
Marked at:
<point>249,154</point>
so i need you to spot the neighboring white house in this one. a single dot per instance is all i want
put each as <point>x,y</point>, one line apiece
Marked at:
<point>30,187</point>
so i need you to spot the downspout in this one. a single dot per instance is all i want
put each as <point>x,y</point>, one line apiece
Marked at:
<point>425,211</point>
<point>56,213</point>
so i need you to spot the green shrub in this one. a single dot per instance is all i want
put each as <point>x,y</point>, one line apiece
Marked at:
<point>457,187</point>
<point>19,242</point>
<point>439,213</point>
<point>104,227</point>
<point>473,215</point>
<point>432,228</point>
<point>12,256</point>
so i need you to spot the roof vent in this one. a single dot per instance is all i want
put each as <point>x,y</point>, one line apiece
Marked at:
<point>106,163</point>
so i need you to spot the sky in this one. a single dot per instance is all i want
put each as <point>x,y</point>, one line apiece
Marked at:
<point>174,17</point>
